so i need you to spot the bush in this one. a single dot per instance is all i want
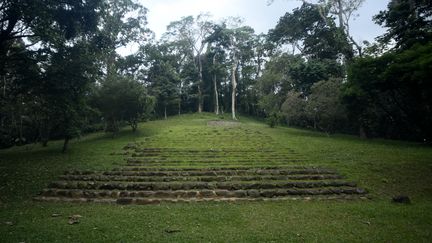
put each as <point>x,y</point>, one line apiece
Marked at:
<point>274,119</point>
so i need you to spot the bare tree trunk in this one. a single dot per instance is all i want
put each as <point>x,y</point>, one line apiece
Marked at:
<point>44,132</point>
<point>179,106</point>
<point>215,88</point>
<point>165,113</point>
<point>180,96</point>
<point>234,89</point>
<point>65,144</point>
<point>4,86</point>
<point>21,130</point>
<point>4,97</point>
<point>258,68</point>
<point>200,98</point>
<point>216,96</point>
<point>340,14</point>
<point>111,70</point>
<point>362,132</point>
<point>112,126</point>
<point>134,125</point>
<point>314,123</point>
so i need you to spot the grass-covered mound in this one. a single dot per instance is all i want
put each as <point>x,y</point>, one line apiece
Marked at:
<point>197,150</point>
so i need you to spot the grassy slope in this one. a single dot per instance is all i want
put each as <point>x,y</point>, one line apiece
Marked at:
<point>385,168</point>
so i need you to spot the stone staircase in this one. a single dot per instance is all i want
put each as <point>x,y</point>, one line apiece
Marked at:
<point>154,174</point>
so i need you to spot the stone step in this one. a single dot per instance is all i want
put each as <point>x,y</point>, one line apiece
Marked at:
<point>204,144</point>
<point>241,168</point>
<point>188,194</point>
<point>188,150</point>
<point>216,160</point>
<point>149,201</point>
<point>195,178</point>
<point>213,155</point>
<point>198,185</point>
<point>235,171</point>
<point>201,164</point>
<point>236,155</point>
<point>218,154</point>
<point>221,172</point>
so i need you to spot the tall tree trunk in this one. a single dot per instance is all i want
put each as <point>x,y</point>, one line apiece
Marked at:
<point>65,144</point>
<point>180,97</point>
<point>362,132</point>
<point>111,69</point>
<point>179,106</point>
<point>258,68</point>
<point>112,126</point>
<point>234,89</point>
<point>165,113</point>
<point>3,118</point>
<point>200,81</point>
<point>340,15</point>
<point>134,125</point>
<point>4,87</point>
<point>216,96</point>
<point>215,88</point>
<point>44,132</point>
<point>21,130</point>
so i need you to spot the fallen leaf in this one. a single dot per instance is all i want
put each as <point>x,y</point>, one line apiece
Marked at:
<point>367,222</point>
<point>170,231</point>
<point>74,219</point>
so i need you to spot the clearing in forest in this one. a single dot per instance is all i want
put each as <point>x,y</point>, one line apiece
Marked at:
<point>214,161</point>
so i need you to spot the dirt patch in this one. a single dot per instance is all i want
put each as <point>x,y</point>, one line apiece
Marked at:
<point>223,123</point>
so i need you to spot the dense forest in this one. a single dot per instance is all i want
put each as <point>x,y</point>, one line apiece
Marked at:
<point>61,75</point>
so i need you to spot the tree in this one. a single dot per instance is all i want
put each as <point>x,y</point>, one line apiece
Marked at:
<point>20,72</point>
<point>164,74</point>
<point>391,94</point>
<point>324,106</point>
<point>63,32</point>
<point>388,93</point>
<point>238,44</point>
<point>284,73</point>
<point>164,79</point>
<point>217,70</point>
<point>276,82</point>
<point>313,32</point>
<point>191,33</point>
<point>408,21</point>
<point>123,22</point>
<point>343,9</point>
<point>294,109</point>
<point>217,44</point>
<point>64,86</point>
<point>45,21</point>
<point>124,99</point>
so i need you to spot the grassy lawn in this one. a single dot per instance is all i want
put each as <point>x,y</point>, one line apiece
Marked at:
<point>384,168</point>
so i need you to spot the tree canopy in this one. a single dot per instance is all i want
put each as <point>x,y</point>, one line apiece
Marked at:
<point>61,73</point>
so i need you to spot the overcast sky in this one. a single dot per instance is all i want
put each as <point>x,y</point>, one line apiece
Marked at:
<point>256,14</point>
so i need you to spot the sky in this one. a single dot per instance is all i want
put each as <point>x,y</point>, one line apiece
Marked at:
<point>256,13</point>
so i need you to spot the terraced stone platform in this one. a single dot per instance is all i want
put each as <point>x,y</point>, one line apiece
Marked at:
<point>225,164</point>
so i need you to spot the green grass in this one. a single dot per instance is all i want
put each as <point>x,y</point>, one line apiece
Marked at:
<point>384,168</point>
